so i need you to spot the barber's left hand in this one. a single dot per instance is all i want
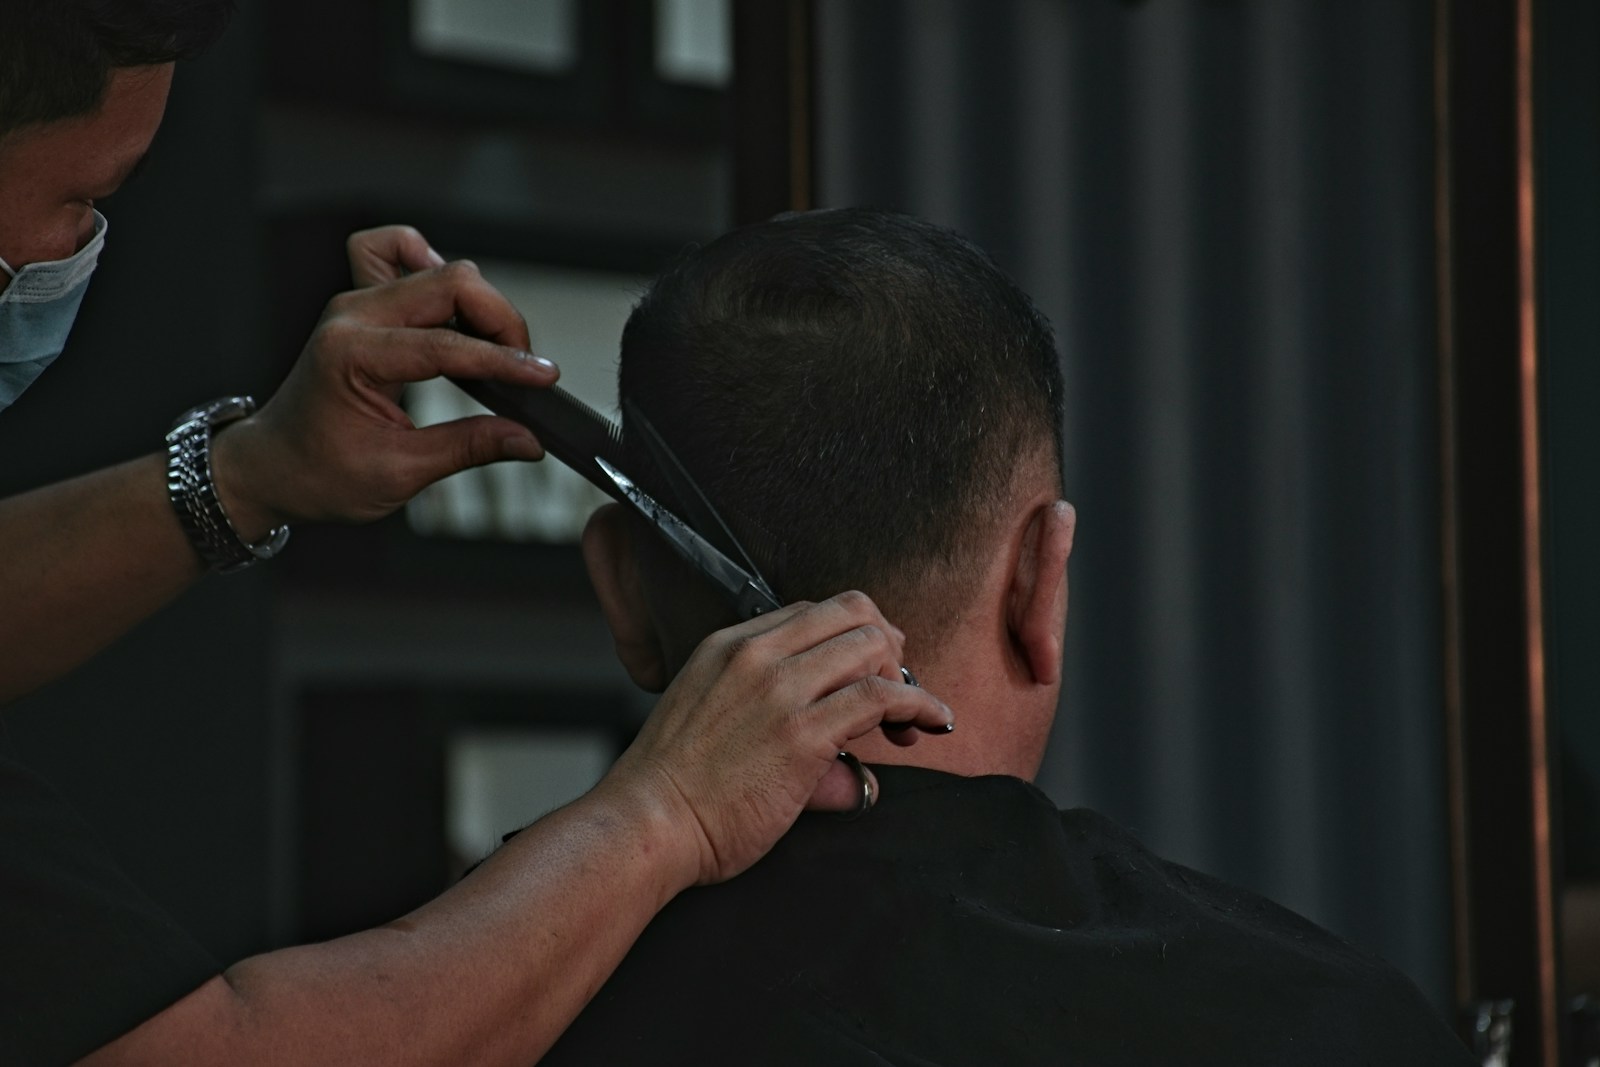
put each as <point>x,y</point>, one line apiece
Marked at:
<point>388,253</point>
<point>334,444</point>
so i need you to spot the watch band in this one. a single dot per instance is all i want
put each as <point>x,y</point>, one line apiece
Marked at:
<point>194,494</point>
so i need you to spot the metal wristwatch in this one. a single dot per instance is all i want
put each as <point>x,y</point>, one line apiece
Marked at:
<point>194,494</point>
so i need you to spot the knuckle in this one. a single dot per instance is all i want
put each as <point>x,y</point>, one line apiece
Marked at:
<point>742,650</point>
<point>437,346</point>
<point>875,691</point>
<point>793,730</point>
<point>855,601</point>
<point>468,450</point>
<point>460,272</point>
<point>341,304</point>
<point>333,336</point>
<point>705,657</point>
<point>866,641</point>
<point>751,657</point>
<point>481,446</point>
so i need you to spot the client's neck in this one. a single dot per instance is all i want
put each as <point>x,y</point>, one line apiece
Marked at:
<point>1003,715</point>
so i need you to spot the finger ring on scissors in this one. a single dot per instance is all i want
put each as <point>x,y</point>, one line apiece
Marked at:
<point>868,798</point>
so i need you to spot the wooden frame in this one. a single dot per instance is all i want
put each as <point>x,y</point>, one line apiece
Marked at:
<point>361,56</point>
<point>774,162</point>
<point>1497,729</point>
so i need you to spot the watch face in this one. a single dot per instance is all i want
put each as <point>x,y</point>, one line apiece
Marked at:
<point>226,409</point>
<point>216,412</point>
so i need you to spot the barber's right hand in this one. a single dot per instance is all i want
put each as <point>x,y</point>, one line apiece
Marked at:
<point>334,444</point>
<point>748,733</point>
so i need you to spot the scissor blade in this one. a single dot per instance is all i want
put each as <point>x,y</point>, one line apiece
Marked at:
<point>700,512</point>
<point>569,429</point>
<point>751,599</point>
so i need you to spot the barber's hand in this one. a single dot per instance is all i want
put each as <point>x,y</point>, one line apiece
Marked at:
<point>750,730</point>
<point>334,443</point>
<point>388,253</point>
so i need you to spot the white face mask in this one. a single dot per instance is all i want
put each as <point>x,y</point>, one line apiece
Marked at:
<point>37,311</point>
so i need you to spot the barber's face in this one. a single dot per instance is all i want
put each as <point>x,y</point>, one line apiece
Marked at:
<point>51,174</point>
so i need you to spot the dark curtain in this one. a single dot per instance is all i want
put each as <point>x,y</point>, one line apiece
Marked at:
<point>1226,209</point>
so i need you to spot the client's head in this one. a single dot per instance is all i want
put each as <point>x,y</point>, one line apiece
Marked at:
<point>876,406</point>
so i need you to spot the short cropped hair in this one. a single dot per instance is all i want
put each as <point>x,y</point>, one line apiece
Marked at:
<point>858,386</point>
<point>56,56</point>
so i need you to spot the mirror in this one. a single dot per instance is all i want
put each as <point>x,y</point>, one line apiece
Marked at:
<point>1567,101</point>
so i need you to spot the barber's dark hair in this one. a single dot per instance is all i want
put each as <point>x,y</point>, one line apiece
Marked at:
<point>57,55</point>
<point>860,384</point>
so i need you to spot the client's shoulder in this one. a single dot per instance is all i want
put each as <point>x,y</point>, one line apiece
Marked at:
<point>1241,954</point>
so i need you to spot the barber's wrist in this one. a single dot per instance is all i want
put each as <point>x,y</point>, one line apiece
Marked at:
<point>251,516</point>
<point>670,842</point>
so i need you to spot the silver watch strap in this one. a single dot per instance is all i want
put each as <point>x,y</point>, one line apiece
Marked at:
<point>194,494</point>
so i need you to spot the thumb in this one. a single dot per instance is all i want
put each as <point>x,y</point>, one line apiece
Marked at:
<point>453,446</point>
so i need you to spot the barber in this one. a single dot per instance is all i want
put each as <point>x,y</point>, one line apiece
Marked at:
<point>492,970</point>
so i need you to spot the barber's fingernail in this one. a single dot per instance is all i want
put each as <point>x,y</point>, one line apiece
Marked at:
<point>434,258</point>
<point>537,361</point>
<point>522,448</point>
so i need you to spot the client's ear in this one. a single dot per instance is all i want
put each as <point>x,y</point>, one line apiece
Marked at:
<point>613,565</point>
<point>1037,608</point>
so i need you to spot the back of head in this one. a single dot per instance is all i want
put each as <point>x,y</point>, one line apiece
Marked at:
<point>57,55</point>
<point>861,385</point>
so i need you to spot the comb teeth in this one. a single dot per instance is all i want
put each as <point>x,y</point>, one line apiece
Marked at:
<point>610,427</point>
<point>613,432</point>
<point>569,429</point>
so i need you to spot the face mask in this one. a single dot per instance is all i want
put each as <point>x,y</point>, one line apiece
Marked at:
<point>37,310</point>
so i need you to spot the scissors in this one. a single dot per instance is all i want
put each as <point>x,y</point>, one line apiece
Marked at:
<point>591,444</point>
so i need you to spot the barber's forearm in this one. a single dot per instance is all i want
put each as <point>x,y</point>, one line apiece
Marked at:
<point>495,969</point>
<point>80,563</point>
<point>491,972</point>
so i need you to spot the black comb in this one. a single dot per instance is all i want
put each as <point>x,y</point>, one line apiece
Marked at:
<point>569,429</point>
<point>575,433</point>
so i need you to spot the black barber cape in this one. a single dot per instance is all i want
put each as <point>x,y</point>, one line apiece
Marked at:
<point>84,955</point>
<point>966,921</point>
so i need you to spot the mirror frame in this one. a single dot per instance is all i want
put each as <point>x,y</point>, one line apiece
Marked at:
<point>1499,743</point>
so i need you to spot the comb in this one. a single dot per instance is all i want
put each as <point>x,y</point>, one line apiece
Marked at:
<point>569,429</point>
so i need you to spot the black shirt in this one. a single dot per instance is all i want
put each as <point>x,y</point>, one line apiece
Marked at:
<point>966,921</point>
<point>84,955</point>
